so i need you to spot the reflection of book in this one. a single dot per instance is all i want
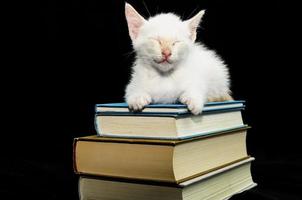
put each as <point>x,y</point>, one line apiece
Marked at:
<point>167,121</point>
<point>158,160</point>
<point>219,184</point>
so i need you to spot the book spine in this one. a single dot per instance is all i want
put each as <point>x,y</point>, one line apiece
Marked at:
<point>75,141</point>
<point>96,125</point>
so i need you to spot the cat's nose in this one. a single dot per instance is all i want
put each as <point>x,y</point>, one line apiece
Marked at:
<point>166,53</point>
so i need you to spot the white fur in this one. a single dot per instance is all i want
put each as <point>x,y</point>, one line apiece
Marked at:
<point>193,75</point>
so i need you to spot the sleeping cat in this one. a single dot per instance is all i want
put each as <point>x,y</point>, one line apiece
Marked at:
<point>170,66</point>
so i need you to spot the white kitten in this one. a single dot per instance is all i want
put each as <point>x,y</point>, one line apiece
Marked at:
<point>170,66</point>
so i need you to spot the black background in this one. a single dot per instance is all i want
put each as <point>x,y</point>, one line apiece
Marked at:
<point>66,56</point>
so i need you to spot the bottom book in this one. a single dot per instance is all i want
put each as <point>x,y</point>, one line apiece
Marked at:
<point>220,184</point>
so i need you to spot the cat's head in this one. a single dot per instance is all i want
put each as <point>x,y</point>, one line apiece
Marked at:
<point>163,40</point>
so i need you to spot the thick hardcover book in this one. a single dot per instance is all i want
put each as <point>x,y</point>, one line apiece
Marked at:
<point>173,161</point>
<point>218,184</point>
<point>218,116</point>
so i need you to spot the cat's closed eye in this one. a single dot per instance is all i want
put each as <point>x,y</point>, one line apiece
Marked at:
<point>175,42</point>
<point>162,42</point>
<point>155,40</point>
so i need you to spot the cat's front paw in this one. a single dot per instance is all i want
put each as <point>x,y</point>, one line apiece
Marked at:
<point>137,102</point>
<point>195,105</point>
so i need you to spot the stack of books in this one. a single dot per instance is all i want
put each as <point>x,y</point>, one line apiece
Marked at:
<point>164,153</point>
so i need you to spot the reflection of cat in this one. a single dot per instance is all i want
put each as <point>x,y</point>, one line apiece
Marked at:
<point>170,66</point>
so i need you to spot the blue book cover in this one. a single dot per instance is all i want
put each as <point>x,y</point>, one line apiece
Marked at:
<point>167,109</point>
<point>176,105</point>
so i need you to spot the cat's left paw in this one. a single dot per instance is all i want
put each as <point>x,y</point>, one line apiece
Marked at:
<point>195,105</point>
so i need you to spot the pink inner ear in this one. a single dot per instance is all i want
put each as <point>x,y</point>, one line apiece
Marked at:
<point>135,25</point>
<point>194,23</point>
<point>193,30</point>
<point>134,20</point>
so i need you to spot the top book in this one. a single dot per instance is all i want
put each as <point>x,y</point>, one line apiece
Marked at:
<point>167,121</point>
<point>167,108</point>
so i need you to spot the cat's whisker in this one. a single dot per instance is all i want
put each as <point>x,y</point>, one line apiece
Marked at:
<point>127,54</point>
<point>144,3</point>
<point>192,12</point>
<point>150,57</point>
<point>183,15</point>
<point>200,27</point>
<point>157,7</point>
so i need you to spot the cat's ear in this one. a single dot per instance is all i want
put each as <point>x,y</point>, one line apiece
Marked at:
<point>193,24</point>
<point>134,20</point>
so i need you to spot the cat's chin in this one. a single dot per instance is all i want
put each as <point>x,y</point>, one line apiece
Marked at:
<point>164,68</point>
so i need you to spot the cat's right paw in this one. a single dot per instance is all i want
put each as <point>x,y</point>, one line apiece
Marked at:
<point>138,101</point>
<point>195,105</point>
